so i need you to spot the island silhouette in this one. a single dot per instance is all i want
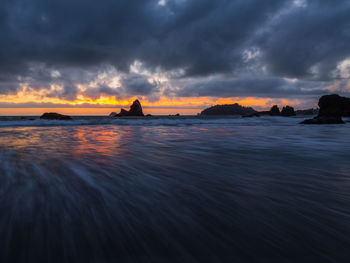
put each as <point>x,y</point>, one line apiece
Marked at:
<point>331,110</point>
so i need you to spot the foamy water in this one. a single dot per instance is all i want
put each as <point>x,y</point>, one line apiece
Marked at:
<point>174,189</point>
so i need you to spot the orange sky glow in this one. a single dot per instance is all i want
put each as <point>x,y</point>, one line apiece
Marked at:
<point>165,106</point>
<point>17,104</point>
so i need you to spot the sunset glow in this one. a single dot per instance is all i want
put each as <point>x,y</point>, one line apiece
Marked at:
<point>83,105</point>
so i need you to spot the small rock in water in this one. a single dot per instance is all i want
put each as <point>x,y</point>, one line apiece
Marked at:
<point>113,114</point>
<point>55,116</point>
<point>251,115</point>
<point>135,110</point>
<point>324,120</point>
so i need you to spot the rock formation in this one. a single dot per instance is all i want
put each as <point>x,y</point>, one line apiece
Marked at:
<point>324,120</point>
<point>122,113</point>
<point>332,108</point>
<point>54,116</point>
<point>275,111</point>
<point>334,105</point>
<point>135,110</point>
<point>288,111</point>
<point>112,114</point>
<point>228,109</point>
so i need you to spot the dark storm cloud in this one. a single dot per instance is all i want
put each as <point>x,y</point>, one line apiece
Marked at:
<point>236,87</point>
<point>298,39</point>
<point>202,36</point>
<point>66,33</point>
<point>134,84</point>
<point>309,41</point>
<point>130,85</point>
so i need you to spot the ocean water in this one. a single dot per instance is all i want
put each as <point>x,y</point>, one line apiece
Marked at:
<point>174,189</point>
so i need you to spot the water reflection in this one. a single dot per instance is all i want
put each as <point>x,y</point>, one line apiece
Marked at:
<point>73,142</point>
<point>174,193</point>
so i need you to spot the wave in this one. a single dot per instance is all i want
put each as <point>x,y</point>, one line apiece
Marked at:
<point>173,194</point>
<point>150,121</point>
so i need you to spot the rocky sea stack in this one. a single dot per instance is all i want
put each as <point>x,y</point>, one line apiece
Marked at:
<point>135,110</point>
<point>275,111</point>
<point>228,109</point>
<point>55,116</point>
<point>288,111</point>
<point>332,109</point>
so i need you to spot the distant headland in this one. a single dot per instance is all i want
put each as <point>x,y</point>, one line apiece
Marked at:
<point>247,112</point>
<point>228,109</point>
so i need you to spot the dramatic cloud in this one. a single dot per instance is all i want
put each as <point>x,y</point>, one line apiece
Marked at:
<point>174,48</point>
<point>267,87</point>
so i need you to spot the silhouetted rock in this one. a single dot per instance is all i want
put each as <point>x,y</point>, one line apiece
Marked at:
<point>149,115</point>
<point>256,114</point>
<point>135,110</point>
<point>177,114</point>
<point>332,108</point>
<point>324,120</point>
<point>287,111</point>
<point>228,109</point>
<point>27,119</point>
<point>334,105</point>
<point>113,114</point>
<point>307,112</point>
<point>275,111</point>
<point>55,116</point>
<point>122,113</point>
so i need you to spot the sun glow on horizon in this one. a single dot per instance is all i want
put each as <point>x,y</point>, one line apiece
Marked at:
<point>28,98</point>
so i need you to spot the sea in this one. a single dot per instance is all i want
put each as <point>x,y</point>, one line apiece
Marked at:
<point>174,189</point>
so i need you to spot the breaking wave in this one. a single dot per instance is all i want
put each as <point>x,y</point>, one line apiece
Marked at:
<point>148,121</point>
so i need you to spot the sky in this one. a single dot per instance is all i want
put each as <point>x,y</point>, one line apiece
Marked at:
<point>91,57</point>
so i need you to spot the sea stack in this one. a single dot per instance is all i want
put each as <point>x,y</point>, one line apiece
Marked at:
<point>275,111</point>
<point>332,108</point>
<point>55,116</point>
<point>287,111</point>
<point>135,110</point>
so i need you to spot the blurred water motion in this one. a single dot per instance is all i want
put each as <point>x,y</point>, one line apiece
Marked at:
<point>175,193</point>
